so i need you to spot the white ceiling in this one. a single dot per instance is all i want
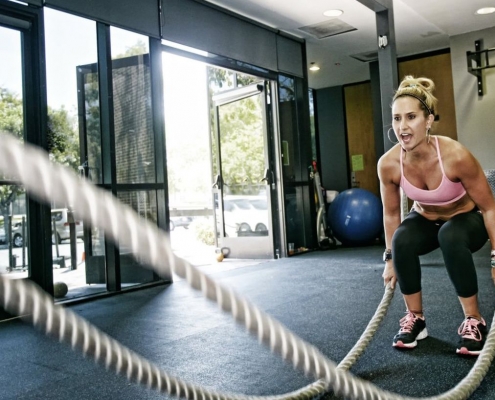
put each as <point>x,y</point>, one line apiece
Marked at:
<point>420,26</point>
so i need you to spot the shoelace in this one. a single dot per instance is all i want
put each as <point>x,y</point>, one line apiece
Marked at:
<point>407,322</point>
<point>469,329</point>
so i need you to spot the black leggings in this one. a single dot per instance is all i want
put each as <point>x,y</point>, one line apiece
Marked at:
<point>458,238</point>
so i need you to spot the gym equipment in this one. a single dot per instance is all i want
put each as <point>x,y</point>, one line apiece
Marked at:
<point>326,241</point>
<point>60,289</point>
<point>356,217</point>
<point>99,208</point>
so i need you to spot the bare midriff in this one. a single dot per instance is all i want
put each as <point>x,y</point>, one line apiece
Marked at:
<point>445,212</point>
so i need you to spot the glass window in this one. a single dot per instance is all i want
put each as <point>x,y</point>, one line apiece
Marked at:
<point>288,126</point>
<point>312,124</point>
<point>11,102</point>
<point>131,268</point>
<point>89,130</point>
<point>295,190</point>
<point>134,139</point>
<point>74,140</point>
<point>13,232</point>
<point>286,89</point>
<point>13,221</point>
<point>70,45</point>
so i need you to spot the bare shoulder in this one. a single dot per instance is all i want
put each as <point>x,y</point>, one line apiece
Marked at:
<point>389,165</point>
<point>452,150</point>
<point>455,156</point>
<point>392,156</point>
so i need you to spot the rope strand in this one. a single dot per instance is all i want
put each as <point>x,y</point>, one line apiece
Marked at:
<point>98,208</point>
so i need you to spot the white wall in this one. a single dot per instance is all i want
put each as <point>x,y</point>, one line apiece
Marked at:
<point>475,114</point>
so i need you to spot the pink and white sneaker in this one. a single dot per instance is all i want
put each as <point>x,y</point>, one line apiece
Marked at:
<point>412,329</point>
<point>472,336</point>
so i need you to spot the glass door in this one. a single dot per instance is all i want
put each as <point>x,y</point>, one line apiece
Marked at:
<point>243,179</point>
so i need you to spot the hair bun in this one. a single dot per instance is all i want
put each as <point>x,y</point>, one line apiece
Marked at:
<point>417,84</point>
<point>421,88</point>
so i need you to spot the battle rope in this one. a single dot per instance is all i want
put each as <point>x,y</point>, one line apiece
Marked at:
<point>151,245</point>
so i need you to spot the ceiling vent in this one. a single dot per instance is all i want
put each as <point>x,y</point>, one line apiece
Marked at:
<point>327,28</point>
<point>366,57</point>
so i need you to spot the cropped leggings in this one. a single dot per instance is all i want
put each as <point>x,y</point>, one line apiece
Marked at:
<point>457,238</point>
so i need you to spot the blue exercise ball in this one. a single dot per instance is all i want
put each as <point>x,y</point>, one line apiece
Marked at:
<point>356,217</point>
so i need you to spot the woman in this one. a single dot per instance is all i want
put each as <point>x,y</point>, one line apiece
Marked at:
<point>453,209</point>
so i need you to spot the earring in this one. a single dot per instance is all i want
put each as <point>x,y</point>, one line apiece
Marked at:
<point>388,136</point>
<point>428,135</point>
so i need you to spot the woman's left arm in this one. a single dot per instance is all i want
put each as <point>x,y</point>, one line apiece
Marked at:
<point>474,181</point>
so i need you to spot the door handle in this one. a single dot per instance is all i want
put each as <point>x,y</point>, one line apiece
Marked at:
<point>268,177</point>
<point>218,183</point>
<point>83,170</point>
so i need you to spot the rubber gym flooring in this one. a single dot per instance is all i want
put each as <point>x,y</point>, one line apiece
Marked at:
<point>327,298</point>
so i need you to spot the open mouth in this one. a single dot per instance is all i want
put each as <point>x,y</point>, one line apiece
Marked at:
<point>406,137</point>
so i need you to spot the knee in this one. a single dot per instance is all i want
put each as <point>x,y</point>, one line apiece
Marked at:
<point>449,238</point>
<point>401,241</point>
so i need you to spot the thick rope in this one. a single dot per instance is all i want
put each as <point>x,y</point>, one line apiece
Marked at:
<point>358,349</point>
<point>151,245</point>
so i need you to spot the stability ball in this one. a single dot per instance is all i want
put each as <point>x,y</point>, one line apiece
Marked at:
<point>356,217</point>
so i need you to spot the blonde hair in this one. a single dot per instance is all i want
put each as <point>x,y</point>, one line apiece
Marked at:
<point>421,89</point>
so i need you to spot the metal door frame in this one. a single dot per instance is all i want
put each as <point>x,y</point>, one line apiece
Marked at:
<point>246,246</point>
<point>29,22</point>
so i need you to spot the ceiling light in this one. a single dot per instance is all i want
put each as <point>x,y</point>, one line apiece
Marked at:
<point>333,13</point>
<point>314,67</point>
<point>485,10</point>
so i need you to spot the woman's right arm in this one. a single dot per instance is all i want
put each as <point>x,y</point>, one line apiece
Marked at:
<point>390,194</point>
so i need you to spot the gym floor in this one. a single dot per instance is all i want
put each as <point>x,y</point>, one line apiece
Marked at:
<point>327,298</point>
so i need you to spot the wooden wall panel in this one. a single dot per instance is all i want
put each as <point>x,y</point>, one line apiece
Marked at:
<point>439,69</point>
<point>360,135</point>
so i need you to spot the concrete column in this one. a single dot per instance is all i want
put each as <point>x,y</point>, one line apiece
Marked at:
<point>387,59</point>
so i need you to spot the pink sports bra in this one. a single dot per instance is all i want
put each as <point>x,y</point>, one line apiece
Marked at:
<point>446,193</point>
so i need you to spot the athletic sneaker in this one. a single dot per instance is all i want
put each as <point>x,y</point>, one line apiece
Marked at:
<point>473,335</point>
<point>412,329</point>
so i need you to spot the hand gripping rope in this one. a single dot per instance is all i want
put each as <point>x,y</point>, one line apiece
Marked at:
<point>97,207</point>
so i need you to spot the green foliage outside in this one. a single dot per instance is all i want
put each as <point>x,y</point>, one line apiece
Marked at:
<point>203,230</point>
<point>11,113</point>
<point>241,133</point>
<point>242,145</point>
<point>11,121</point>
<point>138,48</point>
<point>63,141</point>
